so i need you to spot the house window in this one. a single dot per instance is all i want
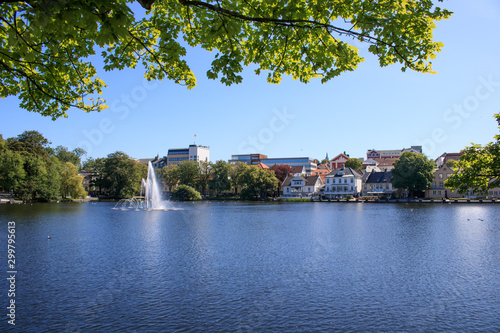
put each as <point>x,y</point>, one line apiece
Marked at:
<point>441,185</point>
<point>309,190</point>
<point>352,180</point>
<point>345,180</point>
<point>328,181</point>
<point>440,176</point>
<point>287,190</point>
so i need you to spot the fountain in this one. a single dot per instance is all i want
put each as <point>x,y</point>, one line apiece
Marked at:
<point>135,203</point>
<point>152,191</point>
<point>152,199</point>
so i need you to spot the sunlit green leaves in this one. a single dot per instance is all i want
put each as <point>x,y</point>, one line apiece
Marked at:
<point>413,172</point>
<point>478,168</point>
<point>46,46</point>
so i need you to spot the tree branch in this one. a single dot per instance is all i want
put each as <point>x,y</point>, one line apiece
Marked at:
<point>312,24</point>
<point>12,1</point>
<point>284,22</point>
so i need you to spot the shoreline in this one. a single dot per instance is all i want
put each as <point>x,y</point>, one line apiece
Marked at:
<point>12,201</point>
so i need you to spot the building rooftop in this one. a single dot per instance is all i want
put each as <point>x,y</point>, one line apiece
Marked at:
<point>310,181</point>
<point>379,177</point>
<point>340,172</point>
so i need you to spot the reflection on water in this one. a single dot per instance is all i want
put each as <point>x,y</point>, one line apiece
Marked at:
<point>257,267</point>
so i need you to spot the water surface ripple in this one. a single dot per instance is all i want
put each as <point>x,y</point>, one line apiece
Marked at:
<point>246,267</point>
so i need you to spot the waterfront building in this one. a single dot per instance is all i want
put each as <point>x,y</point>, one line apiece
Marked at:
<point>443,172</point>
<point>342,182</point>
<point>437,189</point>
<point>378,184</point>
<point>301,186</point>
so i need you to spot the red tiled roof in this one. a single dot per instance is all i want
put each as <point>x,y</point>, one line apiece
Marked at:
<point>382,162</point>
<point>262,166</point>
<point>321,173</point>
<point>297,169</point>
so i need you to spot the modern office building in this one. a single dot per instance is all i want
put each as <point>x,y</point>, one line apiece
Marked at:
<point>192,153</point>
<point>255,159</point>
<point>306,162</point>
<point>250,159</point>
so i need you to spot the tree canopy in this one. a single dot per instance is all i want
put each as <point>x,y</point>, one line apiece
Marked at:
<point>354,163</point>
<point>186,193</point>
<point>256,182</point>
<point>122,175</point>
<point>48,48</point>
<point>281,171</point>
<point>478,168</point>
<point>220,180</point>
<point>413,172</point>
<point>32,170</point>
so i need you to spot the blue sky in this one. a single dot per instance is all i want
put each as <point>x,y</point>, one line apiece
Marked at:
<point>373,107</point>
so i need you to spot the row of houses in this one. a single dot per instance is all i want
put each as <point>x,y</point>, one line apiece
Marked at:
<point>342,182</point>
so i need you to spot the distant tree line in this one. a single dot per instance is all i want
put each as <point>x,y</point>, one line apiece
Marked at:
<point>249,182</point>
<point>116,176</point>
<point>32,170</point>
<point>119,176</point>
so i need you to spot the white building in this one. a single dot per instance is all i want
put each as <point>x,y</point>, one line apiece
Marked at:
<point>192,153</point>
<point>393,153</point>
<point>342,182</point>
<point>301,187</point>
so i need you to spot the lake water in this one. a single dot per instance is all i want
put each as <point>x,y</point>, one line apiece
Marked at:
<point>243,267</point>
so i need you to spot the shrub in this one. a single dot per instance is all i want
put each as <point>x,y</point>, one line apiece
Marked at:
<point>186,193</point>
<point>296,200</point>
